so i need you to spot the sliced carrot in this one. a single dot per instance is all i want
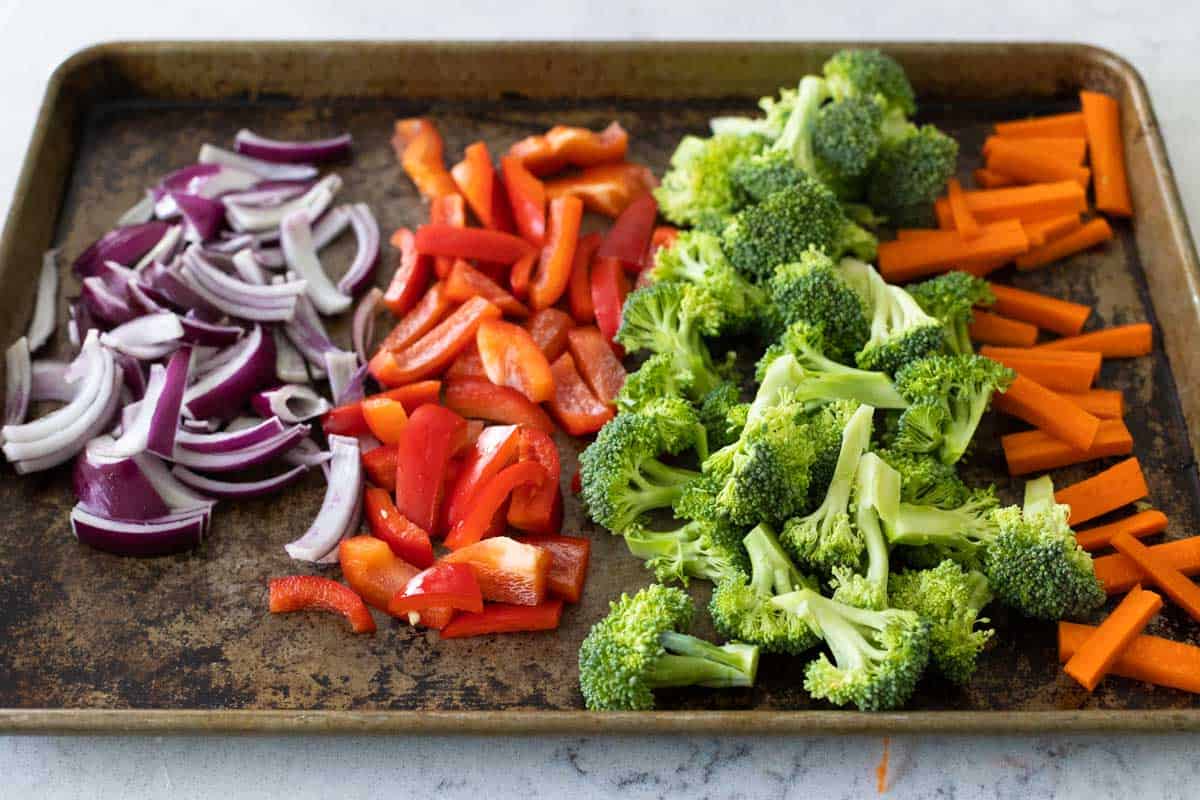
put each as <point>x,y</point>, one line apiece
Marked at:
<point>1069,124</point>
<point>964,221</point>
<point>1042,408</point>
<point>1116,486</point>
<point>1037,451</point>
<point>1102,119</point>
<point>991,180</point>
<point>1147,658</point>
<point>994,329</point>
<point>431,309</point>
<point>1119,573</point>
<point>1010,158</point>
<point>465,282</point>
<point>1095,232</point>
<point>984,267</point>
<point>1139,526</point>
<point>906,260</point>
<point>1065,375</point>
<point>1031,203</point>
<point>1103,403</point>
<point>1119,341</point>
<point>1048,313</point>
<point>1161,572</point>
<point>1071,149</point>
<point>1047,230</point>
<point>1090,359</point>
<point>1094,658</point>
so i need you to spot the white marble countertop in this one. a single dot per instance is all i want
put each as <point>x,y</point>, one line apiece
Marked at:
<point>1157,36</point>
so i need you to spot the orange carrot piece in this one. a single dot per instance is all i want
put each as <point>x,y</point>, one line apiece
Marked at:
<point>1139,526</point>
<point>1103,403</point>
<point>994,329</point>
<point>1102,120</point>
<point>1069,375</point>
<point>1038,451</point>
<point>964,221</point>
<point>1034,234</point>
<point>983,268</point>
<point>1090,359</point>
<point>1094,658</point>
<point>1032,203</point>
<point>1162,572</point>
<point>1067,148</point>
<point>1048,313</point>
<point>1045,410</point>
<point>1069,124</point>
<point>1116,486</point>
<point>1118,573</point>
<point>1093,233</point>
<point>1009,157</point>
<point>905,260</point>
<point>991,180</point>
<point>1054,227</point>
<point>1120,341</point>
<point>1147,658</point>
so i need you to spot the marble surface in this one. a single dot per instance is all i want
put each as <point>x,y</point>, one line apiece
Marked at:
<point>1158,36</point>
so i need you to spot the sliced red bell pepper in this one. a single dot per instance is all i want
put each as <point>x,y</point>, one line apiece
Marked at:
<point>439,239</point>
<point>380,466</point>
<point>373,570</point>
<point>431,309</point>
<point>595,360</point>
<point>508,571</point>
<point>527,198</point>
<point>663,236</point>
<point>474,431</point>
<point>449,209</point>
<point>505,618</point>
<point>411,277</point>
<point>465,282</point>
<point>442,586</point>
<point>569,556</point>
<point>554,266</point>
<point>407,539</point>
<point>563,146</point>
<point>606,189</point>
<point>502,214</point>
<point>609,288</point>
<point>348,420</point>
<point>476,178</point>
<point>434,351</point>
<point>311,592</point>
<point>433,434</point>
<point>577,410</point>
<point>385,418</point>
<point>419,148</point>
<point>414,395</point>
<point>482,399</point>
<point>549,328</point>
<point>467,364</point>
<point>496,448</point>
<point>487,500</point>
<point>537,509</point>
<point>579,289</point>
<point>628,240</point>
<point>521,275</point>
<point>511,358</point>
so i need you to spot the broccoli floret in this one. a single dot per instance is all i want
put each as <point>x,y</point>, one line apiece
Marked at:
<point>949,395</point>
<point>909,175</point>
<point>790,155</point>
<point>678,424</point>
<point>812,290</point>
<point>900,331</point>
<point>710,550</point>
<point>741,608</point>
<point>878,656</point>
<point>672,318</point>
<point>658,377</point>
<point>1035,565</point>
<point>826,426</point>
<point>925,480</point>
<point>949,598</point>
<point>641,646</point>
<point>962,533</point>
<point>723,414</point>
<point>760,176</point>
<point>876,500</point>
<point>870,74</point>
<point>951,298</point>
<point>696,258</point>
<point>696,189</point>
<point>846,141</point>
<point>826,538</point>
<point>785,224</point>
<point>776,111</point>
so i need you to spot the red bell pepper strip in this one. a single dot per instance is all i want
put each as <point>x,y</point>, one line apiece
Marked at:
<point>505,618</point>
<point>385,418</point>
<point>411,277</point>
<point>482,399</point>
<point>594,358</point>
<point>474,431</point>
<point>563,146</point>
<point>407,540</point>
<point>380,466</point>
<point>434,351</point>
<point>607,189</point>
<point>521,274</point>
<point>663,236</point>
<point>609,288</point>
<point>502,214</point>
<point>441,586</point>
<point>419,148</point>
<point>496,448</point>
<point>512,358</point>
<point>569,556</point>
<point>577,410</point>
<point>373,570</point>
<point>549,328</point>
<point>465,282</point>
<point>579,289</point>
<point>508,571</point>
<point>348,420</point>
<point>487,500</point>
<point>537,509</point>
<point>414,395</point>
<point>467,364</point>
<point>476,179</point>
<point>440,239</point>
<point>433,434</point>
<point>629,238</point>
<point>311,592</point>
<point>527,198</point>
<point>449,209</point>
<point>554,267</point>
<point>431,309</point>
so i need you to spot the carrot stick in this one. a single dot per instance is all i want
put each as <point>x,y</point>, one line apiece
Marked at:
<point>1095,657</point>
<point>991,180</point>
<point>1120,341</point>
<point>1162,572</point>
<point>1034,234</point>
<point>905,260</point>
<point>1093,233</point>
<point>1031,203</point>
<point>1118,573</point>
<point>1070,124</point>
<point>992,328</point>
<point>964,221</point>
<point>1072,376</point>
<point>1009,157</point>
<point>1066,148</point>
<point>1091,360</point>
<point>1147,658</point>
<point>1116,486</point>
<point>1037,451</point>
<point>1103,403</point>
<point>910,234</point>
<point>1048,313</point>
<point>985,267</point>
<point>1102,120</point>
<point>1054,227</point>
<point>1139,526</point>
<point>1042,408</point>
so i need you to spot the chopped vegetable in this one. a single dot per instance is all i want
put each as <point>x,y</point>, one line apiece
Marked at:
<point>904,260</point>
<point>564,146</point>
<point>1146,658</point>
<point>1161,572</point>
<point>427,595</point>
<point>1072,149</point>
<point>482,399</point>
<point>476,181</point>
<point>550,328</point>
<point>504,618</point>
<point>1035,451</point>
<point>595,359</point>
<point>1102,121</point>
<point>605,189</point>
<point>508,571</point>
<point>994,329</point>
<point>554,268</point>
<point>373,570</point>
<point>569,557</point>
<point>464,282</point>
<point>435,350</point>
<point>1121,341</point>
<point>1027,165</point>
<point>433,434</point>
<point>1058,125</point>
<point>1091,234</point>
<point>1139,525</point>
<point>1092,659</point>
<point>512,358</point>
<point>537,509</point>
<point>419,147</point>
<point>1042,408</point>
<point>1118,485</point>
<point>310,592</point>
<point>1048,313</point>
<point>579,287</point>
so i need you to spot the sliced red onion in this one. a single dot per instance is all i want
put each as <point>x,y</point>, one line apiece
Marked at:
<point>236,297</point>
<point>141,336</point>
<point>139,212</point>
<point>307,332</point>
<point>178,497</point>
<point>209,358</point>
<point>341,367</point>
<point>237,490</point>
<point>154,537</point>
<point>116,277</point>
<point>203,215</point>
<point>210,154</point>
<point>301,256</point>
<point>164,424</point>
<point>179,180</point>
<point>132,375</point>
<point>233,439</point>
<point>291,402</point>
<point>224,390</point>
<point>327,228</point>
<point>309,454</point>
<point>244,458</point>
<point>248,268</point>
<point>362,329</point>
<point>289,364</point>
<point>103,303</point>
<point>144,418</point>
<point>222,181</point>
<point>41,327</point>
<point>210,334</point>
<point>165,249</point>
<point>342,496</point>
<point>145,298</point>
<point>123,245</point>
<point>265,196</point>
<point>282,152</point>
<point>230,244</point>
<point>175,290</point>
<point>362,269</point>
<point>49,382</point>
<point>198,426</point>
<point>166,209</point>
<point>114,487</point>
<point>18,381</point>
<point>313,203</point>
<point>332,557</point>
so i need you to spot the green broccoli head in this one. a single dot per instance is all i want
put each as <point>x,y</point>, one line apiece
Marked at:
<point>761,175</point>
<point>951,299</point>
<point>671,317</point>
<point>929,534</point>
<point>876,500</point>
<point>723,414</point>
<point>846,141</point>
<point>678,424</point>
<point>950,599</point>
<point>900,331</point>
<point>776,111</point>
<point>696,258</point>
<point>642,646</point>
<point>658,377</point>
<point>812,290</point>
<point>925,480</point>
<point>710,550</point>
<point>696,189</point>
<point>910,173</point>
<point>870,74</point>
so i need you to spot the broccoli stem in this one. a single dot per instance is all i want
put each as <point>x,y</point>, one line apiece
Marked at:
<point>690,661</point>
<point>771,571</point>
<point>1039,494</point>
<point>796,136</point>
<point>964,419</point>
<point>877,548</point>
<point>663,476</point>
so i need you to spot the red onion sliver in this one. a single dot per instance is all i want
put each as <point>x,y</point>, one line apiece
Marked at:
<point>228,440</point>
<point>210,334</point>
<point>136,431</point>
<point>282,152</point>
<point>289,364</point>
<point>164,422</point>
<point>225,389</point>
<point>148,330</point>
<point>132,375</point>
<point>313,203</point>
<point>164,250</point>
<point>266,197</point>
<point>342,496</point>
<point>18,382</point>
<point>41,327</point>
<point>341,367</point>
<point>210,154</point>
<point>362,269</point>
<point>248,268</point>
<point>49,382</point>
<point>123,245</point>
<point>139,212</point>
<point>104,304</point>
<point>178,497</point>
<point>244,458</point>
<point>154,537</point>
<point>237,490</point>
<point>307,333</point>
<point>114,487</point>
<point>202,215</point>
<point>291,402</point>
<point>362,328</point>
<point>301,256</point>
<point>224,180</point>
